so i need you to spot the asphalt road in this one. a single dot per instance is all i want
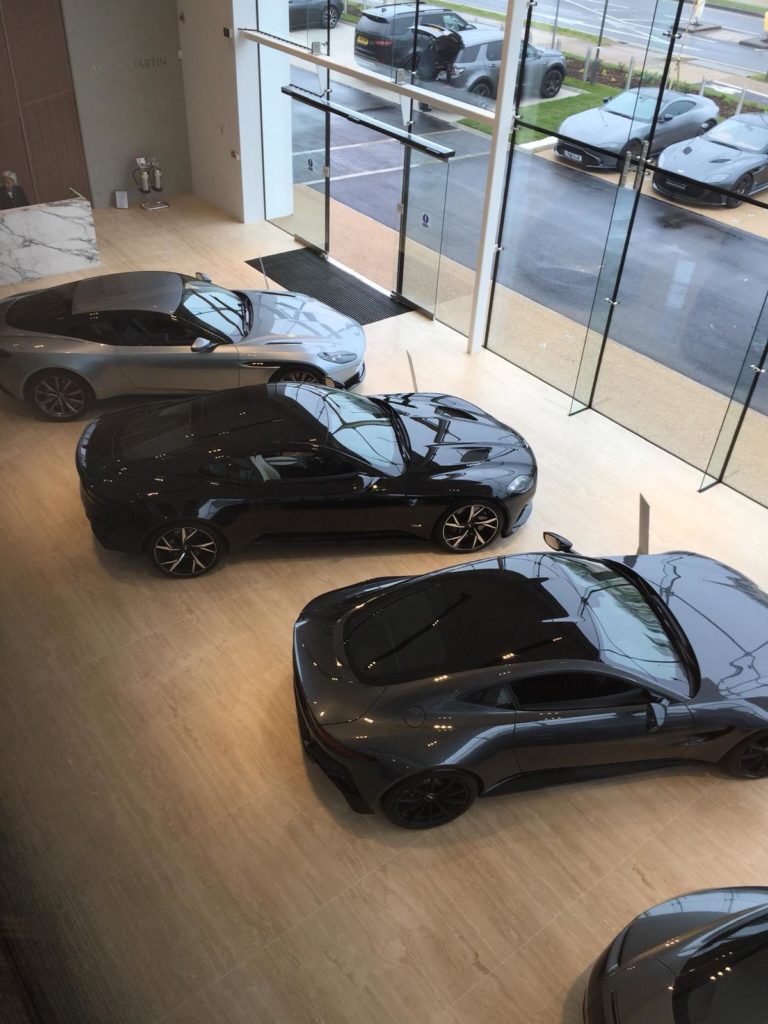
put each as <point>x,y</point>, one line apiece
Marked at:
<point>692,288</point>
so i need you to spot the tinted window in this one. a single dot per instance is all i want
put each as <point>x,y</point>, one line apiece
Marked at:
<point>678,107</point>
<point>362,428</point>
<point>493,51</point>
<point>152,329</point>
<point>726,984</point>
<point>212,308</point>
<point>458,621</point>
<point>49,312</point>
<point>468,55</point>
<point>574,690</point>
<point>158,431</point>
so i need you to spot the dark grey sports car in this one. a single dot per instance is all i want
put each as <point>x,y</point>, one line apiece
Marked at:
<point>600,138</point>
<point>733,156</point>
<point>155,332</point>
<point>701,958</point>
<point>418,694</point>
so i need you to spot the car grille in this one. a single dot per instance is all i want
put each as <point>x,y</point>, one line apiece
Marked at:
<point>678,187</point>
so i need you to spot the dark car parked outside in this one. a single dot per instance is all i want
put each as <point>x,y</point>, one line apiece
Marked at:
<point>313,13</point>
<point>700,958</point>
<point>384,36</point>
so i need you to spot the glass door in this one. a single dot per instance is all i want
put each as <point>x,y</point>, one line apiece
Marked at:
<point>425,186</point>
<point>308,222</point>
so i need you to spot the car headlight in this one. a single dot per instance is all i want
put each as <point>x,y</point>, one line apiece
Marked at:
<point>519,484</point>
<point>339,357</point>
<point>718,179</point>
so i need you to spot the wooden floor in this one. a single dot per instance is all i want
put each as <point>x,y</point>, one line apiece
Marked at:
<point>170,854</point>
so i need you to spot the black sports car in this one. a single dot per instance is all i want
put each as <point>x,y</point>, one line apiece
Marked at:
<point>187,481</point>
<point>701,958</point>
<point>733,155</point>
<point>418,694</point>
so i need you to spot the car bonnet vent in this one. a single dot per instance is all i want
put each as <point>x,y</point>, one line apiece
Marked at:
<point>476,455</point>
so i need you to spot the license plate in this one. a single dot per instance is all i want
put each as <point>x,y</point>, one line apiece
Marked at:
<point>363,40</point>
<point>570,155</point>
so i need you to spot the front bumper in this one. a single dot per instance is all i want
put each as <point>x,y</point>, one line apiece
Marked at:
<point>688,191</point>
<point>357,378</point>
<point>589,159</point>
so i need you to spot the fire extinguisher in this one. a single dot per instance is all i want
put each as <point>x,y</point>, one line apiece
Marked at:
<point>156,176</point>
<point>141,177</point>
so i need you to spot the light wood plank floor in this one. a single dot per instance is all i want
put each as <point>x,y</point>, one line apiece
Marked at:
<point>170,855</point>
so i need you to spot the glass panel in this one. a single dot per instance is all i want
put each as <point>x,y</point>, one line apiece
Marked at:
<point>424,216</point>
<point>310,186</point>
<point>747,470</point>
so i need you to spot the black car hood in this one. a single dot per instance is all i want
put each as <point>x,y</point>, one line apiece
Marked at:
<point>723,613</point>
<point>448,433</point>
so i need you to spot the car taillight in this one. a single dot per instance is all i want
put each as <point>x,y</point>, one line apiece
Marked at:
<point>335,747</point>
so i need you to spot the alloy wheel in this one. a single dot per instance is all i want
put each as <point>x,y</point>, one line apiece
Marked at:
<point>185,551</point>
<point>752,761</point>
<point>331,17</point>
<point>481,89</point>
<point>551,85</point>
<point>299,377</point>
<point>470,527</point>
<point>432,800</point>
<point>59,397</point>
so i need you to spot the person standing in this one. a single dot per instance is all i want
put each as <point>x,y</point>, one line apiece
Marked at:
<point>11,193</point>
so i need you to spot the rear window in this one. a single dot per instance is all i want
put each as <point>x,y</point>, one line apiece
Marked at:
<point>457,622</point>
<point>48,312</point>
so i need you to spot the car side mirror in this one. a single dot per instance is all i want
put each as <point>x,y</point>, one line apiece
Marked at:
<point>656,714</point>
<point>556,542</point>
<point>605,99</point>
<point>203,345</point>
<point>706,126</point>
<point>667,117</point>
<point>202,277</point>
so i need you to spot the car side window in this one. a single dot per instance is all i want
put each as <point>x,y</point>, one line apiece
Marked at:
<point>493,51</point>
<point>94,327</point>
<point>498,695</point>
<point>139,328</point>
<point>679,107</point>
<point>575,690</point>
<point>454,22</point>
<point>236,469</point>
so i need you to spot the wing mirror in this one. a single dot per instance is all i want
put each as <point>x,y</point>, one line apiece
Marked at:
<point>203,277</point>
<point>203,345</point>
<point>605,99</point>
<point>656,715</point>
<point>667,117</point>
<point>556,542</point>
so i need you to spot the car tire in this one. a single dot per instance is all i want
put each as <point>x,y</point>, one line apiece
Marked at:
<point>331,17</point>
<point>185,550</point>
<point>297,375</point>
<point>742,186</point>
<point>551,83</point>
<point>748,759</point>
<point>469,526</point>
<point>59,395</point>
<point>634,148</point>
<point>430,799</point>
<point>482,88</point>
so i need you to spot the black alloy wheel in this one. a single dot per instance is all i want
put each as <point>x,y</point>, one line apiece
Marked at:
<point>297,375</point>
<point>429,800</point>
<point>551,83</point>
<point>468,527</point>
<point>749,760</point>
<point>59,395</point>
<point>743,186</point>
<point>482,88</point>
<point>331,16</point>
<point>185,550</point>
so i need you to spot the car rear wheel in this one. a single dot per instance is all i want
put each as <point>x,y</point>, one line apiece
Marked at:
<point>469,527</point>
<point>749,759</point>
<point>59,395</point>
<point>743,186</point>
<point>185,550</point>
<point>331,17</point>
<point>431,799</point>
<point>551,83</point>
<point>297,375</point>
<point>482,88</point>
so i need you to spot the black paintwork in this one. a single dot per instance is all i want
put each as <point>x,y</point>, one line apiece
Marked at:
<point>695,959</point>
<point>450,451</point>
<point>520,633</point>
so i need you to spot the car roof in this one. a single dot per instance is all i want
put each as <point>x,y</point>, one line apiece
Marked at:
<point>150,290</point>
<point>397,8</point>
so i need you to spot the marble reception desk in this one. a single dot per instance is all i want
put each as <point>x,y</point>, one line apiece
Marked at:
<point>49,238</point>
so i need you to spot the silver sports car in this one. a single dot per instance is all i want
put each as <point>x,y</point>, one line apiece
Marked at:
<point>155,332</point>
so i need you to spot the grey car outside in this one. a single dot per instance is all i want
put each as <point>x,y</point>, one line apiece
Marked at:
<point>601,137</point>
<point>732,156</point>
<point>314,13</point>
<point>384,36</point>
<point>471,61</point>
<point>158,333</point>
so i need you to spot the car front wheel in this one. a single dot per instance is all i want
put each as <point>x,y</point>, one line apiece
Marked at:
<point>297,375</point>
<point>431,799</point>
<point>551,83</point>
<point>743,186</point>
<point>749,759</point>
<point>469,527</point>
<point>331,16</point>
<point>59,395</point>
<point>185,550</point>
<point>482,88</point>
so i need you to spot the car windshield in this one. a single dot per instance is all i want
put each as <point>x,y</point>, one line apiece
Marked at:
<point>746,135</point>
<point>362,428</point>
<point>538,608</point>
<point>630,104</point>
<point>214,308</point>
<point>725,983</point>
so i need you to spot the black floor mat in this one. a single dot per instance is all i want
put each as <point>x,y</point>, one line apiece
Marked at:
<point>302,270</point>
